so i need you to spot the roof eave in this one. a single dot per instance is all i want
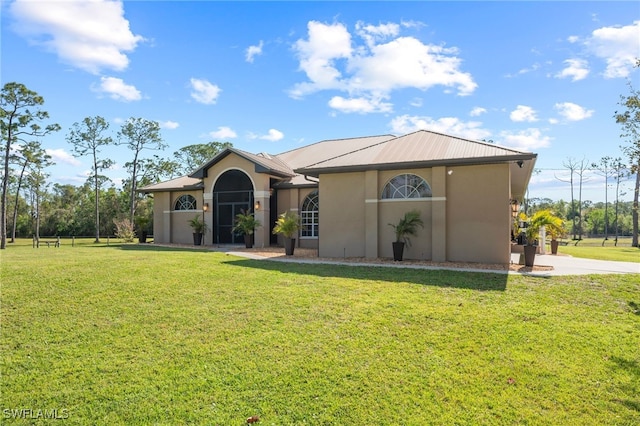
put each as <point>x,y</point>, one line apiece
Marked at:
<point>316,172</point>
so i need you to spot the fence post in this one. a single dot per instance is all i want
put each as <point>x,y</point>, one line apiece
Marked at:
<point>107,240</point>
<point>73,241</point>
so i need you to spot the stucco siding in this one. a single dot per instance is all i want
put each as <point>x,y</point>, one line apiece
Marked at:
<point>342,215</point>
<point>478,214</point>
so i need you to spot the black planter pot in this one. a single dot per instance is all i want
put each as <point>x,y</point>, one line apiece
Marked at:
<point>530,255</point>
<point>398,250</point>
<point>143,237</point>
<point>554,246</point>
<point>248,241</point>
<point>197,239</point>
<point>289,246</point>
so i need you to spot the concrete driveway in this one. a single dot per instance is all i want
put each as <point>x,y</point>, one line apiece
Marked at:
<point>568,265</point>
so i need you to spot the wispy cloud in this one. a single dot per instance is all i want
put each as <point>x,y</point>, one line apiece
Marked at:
<point>523,113</point>
<point>223,133</point>
<point>573,112</point>
<point>203,91</point>
<point>253,51</point>
<point>117,89</point>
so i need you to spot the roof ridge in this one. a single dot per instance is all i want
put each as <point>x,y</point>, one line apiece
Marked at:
<point>495,145</point>
<point>355,150</point>
<point>331,140</point>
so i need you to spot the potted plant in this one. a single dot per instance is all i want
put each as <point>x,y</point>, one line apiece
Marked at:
<point>555,231</point>
<point>199,228</point>
<point>534,224</point>
<point>245,224</point>
<point>142,223</point>
<point>408,225</point>
<point>287,225</point>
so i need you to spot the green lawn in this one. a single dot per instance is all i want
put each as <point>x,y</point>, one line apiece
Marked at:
<point>147,335</point>
<point>592,248</point>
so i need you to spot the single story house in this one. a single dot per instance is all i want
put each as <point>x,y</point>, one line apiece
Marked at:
<point>347,191</point>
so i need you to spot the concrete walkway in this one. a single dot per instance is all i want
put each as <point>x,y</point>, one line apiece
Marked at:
<point>562,265</point>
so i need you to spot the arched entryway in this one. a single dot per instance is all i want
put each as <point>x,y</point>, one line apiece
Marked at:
<point>232,194</point>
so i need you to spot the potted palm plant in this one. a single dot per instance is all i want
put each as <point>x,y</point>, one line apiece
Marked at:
<point>199,228</point>
<point>555,231</point>
<point>287,225</point>
<point>245,224</point>
<point>408,225</point>
<point>534,224</point>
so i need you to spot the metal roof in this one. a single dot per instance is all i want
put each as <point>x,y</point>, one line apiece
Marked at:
<point>182,183</point>
<point>264,163</point>
<point>421,148</point>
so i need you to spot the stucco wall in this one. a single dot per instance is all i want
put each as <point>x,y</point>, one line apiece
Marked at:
<point>478,214</point>
<point>261,193</point>
<point>291,200</point>
<point>342,215</point>
<point>161,216</point>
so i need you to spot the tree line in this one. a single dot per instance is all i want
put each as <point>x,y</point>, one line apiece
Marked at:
<point>99,208</point>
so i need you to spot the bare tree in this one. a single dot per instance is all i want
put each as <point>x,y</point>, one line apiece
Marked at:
<point>605,170</point>
<point>619,173</point>
<point>582,167</point>
<point>572,165</point>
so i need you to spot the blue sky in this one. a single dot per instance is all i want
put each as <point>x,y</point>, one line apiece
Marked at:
<point>268,77</point>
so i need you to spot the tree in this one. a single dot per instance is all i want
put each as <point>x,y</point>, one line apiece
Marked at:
<point>604,169</point>
<point>17,122</point>
<point>619,173</point>
<point>88,138</point>
<point>190,157</point>
<point>138,134</point>
<point>571,165</point>
<point>629,119</point>
<point>30,154</point>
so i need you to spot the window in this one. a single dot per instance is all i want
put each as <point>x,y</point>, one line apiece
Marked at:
<point>185,202</point>
<point>309,216</point>
<point>406,186</point>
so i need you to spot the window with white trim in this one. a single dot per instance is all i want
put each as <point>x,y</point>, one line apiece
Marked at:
<point>309,216</point>
<point>406,186</point>
<point>185,202</point>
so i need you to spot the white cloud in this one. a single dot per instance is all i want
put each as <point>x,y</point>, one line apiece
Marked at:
<point>223,133</point>
<point>359,105</point>
<point>118,89</point>
<point>525,140</point>
<point>385,62</point>
<point>204,91</point>
<point>573,112</point>
<point>61,156</point>
<point>523,113</point>
<point>618,46</point>
<point>169,124</point>
<point>253,51</point>
<point>317,55</point>
<point>577,69</point>
<point>273,135</point>
<point>416,102</point>
<point>90,35</point>
<point>475,112</point>
<point>449,125</point>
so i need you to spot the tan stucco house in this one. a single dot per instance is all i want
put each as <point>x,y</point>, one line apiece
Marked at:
<point>347,191</point>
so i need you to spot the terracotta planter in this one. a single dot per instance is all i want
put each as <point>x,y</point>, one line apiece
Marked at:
<point>289,246</point>
<point>197,239</point>
<point>554,246</point>
<point>398,250</point>
<point>530,255</point>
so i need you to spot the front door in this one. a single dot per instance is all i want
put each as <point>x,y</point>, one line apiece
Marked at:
<point>225,218</point>
<point>232,194</point>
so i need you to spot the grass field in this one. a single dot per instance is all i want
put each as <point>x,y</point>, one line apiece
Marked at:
<point>592,248</point>
<point>146,335</point>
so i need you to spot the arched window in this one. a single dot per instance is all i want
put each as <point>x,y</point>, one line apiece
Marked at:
<point>406,186</point>
<point>309,216</point>
<point>185,202</point>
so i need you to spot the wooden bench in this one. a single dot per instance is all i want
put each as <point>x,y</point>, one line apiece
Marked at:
<point>56,242</point>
